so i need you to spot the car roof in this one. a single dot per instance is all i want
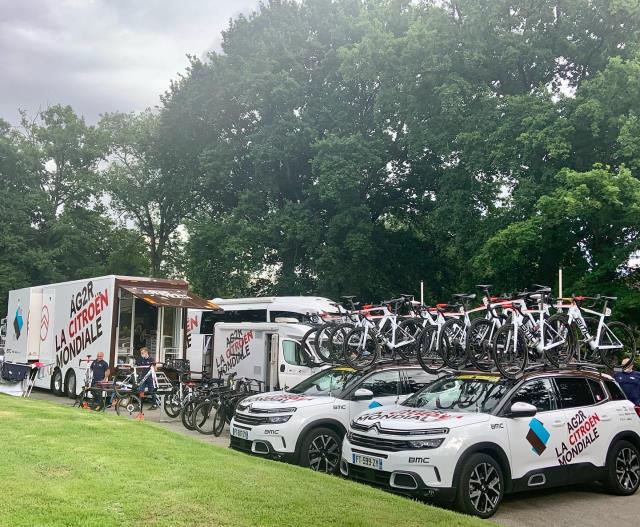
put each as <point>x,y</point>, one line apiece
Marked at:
<point>546,372</point>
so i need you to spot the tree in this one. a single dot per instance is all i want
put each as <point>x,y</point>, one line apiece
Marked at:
<point>144,185</point>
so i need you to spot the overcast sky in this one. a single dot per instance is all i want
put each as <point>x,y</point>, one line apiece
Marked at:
<point>102,55</point>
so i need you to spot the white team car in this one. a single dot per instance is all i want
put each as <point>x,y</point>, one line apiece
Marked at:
<point>469,438</point>
<point>306,424</point>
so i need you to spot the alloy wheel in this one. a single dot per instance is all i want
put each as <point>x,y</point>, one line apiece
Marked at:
<point>484,488</point>
<point>324,454</point>
<point>627,469</point>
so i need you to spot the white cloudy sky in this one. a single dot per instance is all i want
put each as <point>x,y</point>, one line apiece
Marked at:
<point>102,55</point>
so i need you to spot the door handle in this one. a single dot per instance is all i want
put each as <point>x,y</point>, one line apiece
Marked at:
<point>605,417</point>
<point>558,422</point>
<point>282,368</point>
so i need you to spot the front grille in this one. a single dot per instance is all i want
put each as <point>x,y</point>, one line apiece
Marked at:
<point>378,443</point>
<point>241,444</point>
<point>370,475</point>
<point>250,419</point>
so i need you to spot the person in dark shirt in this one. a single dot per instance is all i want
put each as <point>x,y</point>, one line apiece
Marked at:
<point>100,372</point>
<point>629,381</point>
<point>145,360</point>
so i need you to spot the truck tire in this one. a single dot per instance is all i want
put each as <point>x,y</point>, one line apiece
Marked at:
<point>321,450</point>
<point>480,486</point>
<point>623,469</point>
<point>70,384</point>
<point>57,384</point>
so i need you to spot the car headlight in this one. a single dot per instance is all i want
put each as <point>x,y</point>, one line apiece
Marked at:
<point>426,443</point>
<point>279,419</point>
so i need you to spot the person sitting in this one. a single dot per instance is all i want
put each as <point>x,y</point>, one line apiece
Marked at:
<point>145,360</point>
<point>629,381</point>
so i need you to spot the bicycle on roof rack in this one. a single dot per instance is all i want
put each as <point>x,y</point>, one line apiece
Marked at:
<point>608,343</point>
<point>388,338</point>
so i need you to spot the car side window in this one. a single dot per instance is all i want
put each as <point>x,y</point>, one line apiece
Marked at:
<point>538,392</point>
<point>292,352</point>
<point>574,392</point>
<point>597,390</point>
<point>615,391</point>
<point>383,383</point>
<point>415,380</point>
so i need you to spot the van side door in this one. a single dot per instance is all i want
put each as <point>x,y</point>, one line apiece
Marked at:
<point>292,366</point>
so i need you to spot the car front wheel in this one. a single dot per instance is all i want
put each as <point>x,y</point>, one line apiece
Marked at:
<point>480,486</point>
<point>321,450</point>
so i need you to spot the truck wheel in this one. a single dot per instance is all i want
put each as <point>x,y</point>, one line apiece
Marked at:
<point>623,469</point>
<point>70,384</point>
<point>480,486</point>
<point>321,450</point>
<point>56,383</point>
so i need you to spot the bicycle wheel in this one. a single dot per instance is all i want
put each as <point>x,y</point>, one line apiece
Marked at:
<point>361,349</point>
<point>479,338</point>
<point>186,414</point>
<point>620,342</point>
<point>172,404</point>
<point>203,418</point>
<point>510,354</point>
<point>428,356</point>
<point>452,343</point>
<point>308,341</point>
<point>129,406</point>
<point>336,340</point>
<point>407,338</point>
<point>558,340</point>
<point>219,420</point>
<point>321,342</point>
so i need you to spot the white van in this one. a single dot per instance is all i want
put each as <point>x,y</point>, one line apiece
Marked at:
<point>269,353</point>
<point>256,309</point>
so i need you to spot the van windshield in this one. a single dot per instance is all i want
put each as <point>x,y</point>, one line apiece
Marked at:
<point>328,382</point>
<point>463,393</point>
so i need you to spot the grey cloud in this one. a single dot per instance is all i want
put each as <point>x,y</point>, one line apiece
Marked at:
<point>102,55</point>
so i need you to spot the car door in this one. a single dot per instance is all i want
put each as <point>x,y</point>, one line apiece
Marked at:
<point>533,440</point>
<point>385,386</point>
<point>590,424</point>
<point>293,368</point>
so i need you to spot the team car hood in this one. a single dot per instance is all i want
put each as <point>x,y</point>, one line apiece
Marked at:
<point>268,401</point>
<point>401,418</point>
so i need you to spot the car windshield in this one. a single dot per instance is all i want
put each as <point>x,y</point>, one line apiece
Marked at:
<point>328,382</point>
<point>462,393</point>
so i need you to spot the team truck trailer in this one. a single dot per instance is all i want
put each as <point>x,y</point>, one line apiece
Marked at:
<point>57,325</point>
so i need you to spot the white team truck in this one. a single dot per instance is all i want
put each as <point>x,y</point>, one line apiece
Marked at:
<point>254,309</point>
<point>269,353</point>
<point>59,324</point>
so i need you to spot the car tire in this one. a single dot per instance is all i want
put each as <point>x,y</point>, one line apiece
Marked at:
<point>623,469</point>
<point>70,385</point>
<point>320,451</point>
<point>57,385</point>
<point>480,486</point>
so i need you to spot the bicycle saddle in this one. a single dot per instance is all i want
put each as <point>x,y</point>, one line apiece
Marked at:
<point>348,297</point>
<point>483,286</point>
<point>465,296</point>
<point>609,297</point>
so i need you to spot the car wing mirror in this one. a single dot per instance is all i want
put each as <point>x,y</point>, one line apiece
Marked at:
<point>521,409</point>
<point>362,394</point>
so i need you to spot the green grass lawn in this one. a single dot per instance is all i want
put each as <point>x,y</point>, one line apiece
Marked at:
<point>64,466</point>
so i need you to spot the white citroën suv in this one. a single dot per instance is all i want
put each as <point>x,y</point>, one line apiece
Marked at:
<point>469,438</point>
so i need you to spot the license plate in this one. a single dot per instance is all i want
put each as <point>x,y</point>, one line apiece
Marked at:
<point>239,432</point>
<point>367,461</point>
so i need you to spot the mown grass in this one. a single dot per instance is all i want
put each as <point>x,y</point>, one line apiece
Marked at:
<point>61,466</point>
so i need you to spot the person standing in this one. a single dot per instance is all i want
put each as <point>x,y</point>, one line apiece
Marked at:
<point>145,360</point>
<point>629,381</point>
<point>99,372</point>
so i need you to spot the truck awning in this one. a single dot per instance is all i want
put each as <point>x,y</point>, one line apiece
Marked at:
<point>171,297</point>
